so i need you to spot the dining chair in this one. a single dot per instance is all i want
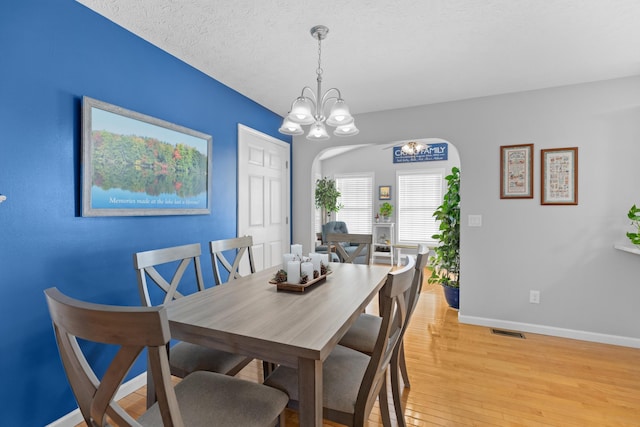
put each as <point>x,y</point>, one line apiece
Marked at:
<point>184,357</point>
<point>240,246</point>
<point>363,334</point>
<point>351,379</point>
<point>200,399</point>
<point>351,248</point>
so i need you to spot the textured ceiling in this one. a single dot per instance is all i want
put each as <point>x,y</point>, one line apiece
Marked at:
<point>386,55</point>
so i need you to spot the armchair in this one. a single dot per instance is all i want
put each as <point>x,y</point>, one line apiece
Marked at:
<point>333,227</point>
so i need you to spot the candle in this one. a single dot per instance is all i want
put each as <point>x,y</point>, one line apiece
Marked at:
<point>325,259</point>
<point>316,259</point>
<point>297,250</point>
<point>293,271</point>
<point>286,258</point>
<point>306,268</point>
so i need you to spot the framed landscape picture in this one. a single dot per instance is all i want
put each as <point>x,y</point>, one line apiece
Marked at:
<point>559,176</point>
<point>516,171</point>
<point>134,164</point>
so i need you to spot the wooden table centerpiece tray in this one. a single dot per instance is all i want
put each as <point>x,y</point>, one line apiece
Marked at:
<point>298,287</point>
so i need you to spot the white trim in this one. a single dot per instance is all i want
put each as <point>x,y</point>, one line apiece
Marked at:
<point>552,331</point>
<point>75,417</point>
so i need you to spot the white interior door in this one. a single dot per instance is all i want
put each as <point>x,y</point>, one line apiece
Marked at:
<point>263,195</point>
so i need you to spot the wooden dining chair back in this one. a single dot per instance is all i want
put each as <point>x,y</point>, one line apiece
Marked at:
<point>185,357</point>
<point>398,360</point>
<point>416,287</point>
<point>131,328</point>
<point>393,310</point>
<point>350,247</point>
<point>352,381</point>
<point>200,399</point>
<point>146,262</point>
<point>240,246</point>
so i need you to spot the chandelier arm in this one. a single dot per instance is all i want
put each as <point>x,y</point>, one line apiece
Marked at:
<point>313,97</point>
<point>326,96</point>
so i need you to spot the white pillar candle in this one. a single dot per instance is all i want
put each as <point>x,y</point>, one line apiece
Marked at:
<point>293,271</point>
<point>297,250</point>
<point>325,259</point>
<point>316,259</point>
<point>306,268</point>
<point>286,258</point>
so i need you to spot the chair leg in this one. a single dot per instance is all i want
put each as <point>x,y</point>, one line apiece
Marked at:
<point>403,367</point>
<point>383,401</point>
<point>151,386</point>
<point>395,387</point>
<point>282,420</point>
<point>267,369</point>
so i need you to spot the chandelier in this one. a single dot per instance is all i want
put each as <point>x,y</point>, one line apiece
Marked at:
<point>309,108</point>
<point>412,148</point>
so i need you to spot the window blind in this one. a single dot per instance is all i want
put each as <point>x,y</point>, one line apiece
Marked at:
<point>356,196</point>
<point>419,195</point>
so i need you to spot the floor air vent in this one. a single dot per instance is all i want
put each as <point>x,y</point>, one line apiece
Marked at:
<point>508,333</point>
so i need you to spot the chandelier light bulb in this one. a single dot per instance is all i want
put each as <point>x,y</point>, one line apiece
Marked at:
<point>339,114</point>
<point>346,130</point>
<point>412,148</point>
<point>318,132</point>
<point>290,128</point>
<point>301,111</point>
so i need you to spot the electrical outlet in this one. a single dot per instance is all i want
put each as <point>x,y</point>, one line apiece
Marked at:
<point>534,297</point>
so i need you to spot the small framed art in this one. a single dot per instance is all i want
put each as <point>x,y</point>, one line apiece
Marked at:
<point>384,192</point>
<point>516,171</point>
<point>559,176</point>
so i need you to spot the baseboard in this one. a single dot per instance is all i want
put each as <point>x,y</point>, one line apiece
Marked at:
<point>552,331</point>
<point>75,417</point>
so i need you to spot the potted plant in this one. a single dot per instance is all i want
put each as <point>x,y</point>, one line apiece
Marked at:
<point>634,216</point>
<point>446,262</point>
<point>386,209</point>
<point>326,197</point>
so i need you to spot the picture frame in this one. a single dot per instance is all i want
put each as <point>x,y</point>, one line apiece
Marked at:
<point>384,192</point>
<point>516,171</point>
<point>138,165</point>
<point>559,176</point>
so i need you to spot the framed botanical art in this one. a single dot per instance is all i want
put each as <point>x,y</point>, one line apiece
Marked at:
<point>516,171</point>
<point>136,165</point>
<point>559,176</point>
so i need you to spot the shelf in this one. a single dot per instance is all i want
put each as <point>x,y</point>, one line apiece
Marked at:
<point>383,232</point>
<point>627,247</point>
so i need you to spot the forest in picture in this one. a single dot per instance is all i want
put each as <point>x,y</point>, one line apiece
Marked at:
<point>147,165</point>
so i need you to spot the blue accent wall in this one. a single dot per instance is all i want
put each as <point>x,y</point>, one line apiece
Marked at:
<point>53,53</point>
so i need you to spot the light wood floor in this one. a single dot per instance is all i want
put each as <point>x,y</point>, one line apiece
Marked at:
<point>464,375</point>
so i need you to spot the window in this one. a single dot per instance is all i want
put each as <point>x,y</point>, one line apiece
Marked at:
<point>356,196</point>
<point>419,195</point>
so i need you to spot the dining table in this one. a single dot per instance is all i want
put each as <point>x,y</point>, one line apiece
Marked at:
<point>252,317</point>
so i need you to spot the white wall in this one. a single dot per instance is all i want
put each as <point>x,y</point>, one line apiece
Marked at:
<point>379,160</point>
<point>588,289</point>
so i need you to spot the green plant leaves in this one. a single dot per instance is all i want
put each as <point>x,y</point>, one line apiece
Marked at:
<point>446,262</point>
<point>327,194</point>
<point>634,216</point>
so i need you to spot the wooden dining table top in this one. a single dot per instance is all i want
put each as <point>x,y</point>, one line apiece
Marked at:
<point>251,316</point>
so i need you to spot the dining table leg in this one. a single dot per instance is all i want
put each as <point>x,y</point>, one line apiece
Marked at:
<point>310,392</point>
